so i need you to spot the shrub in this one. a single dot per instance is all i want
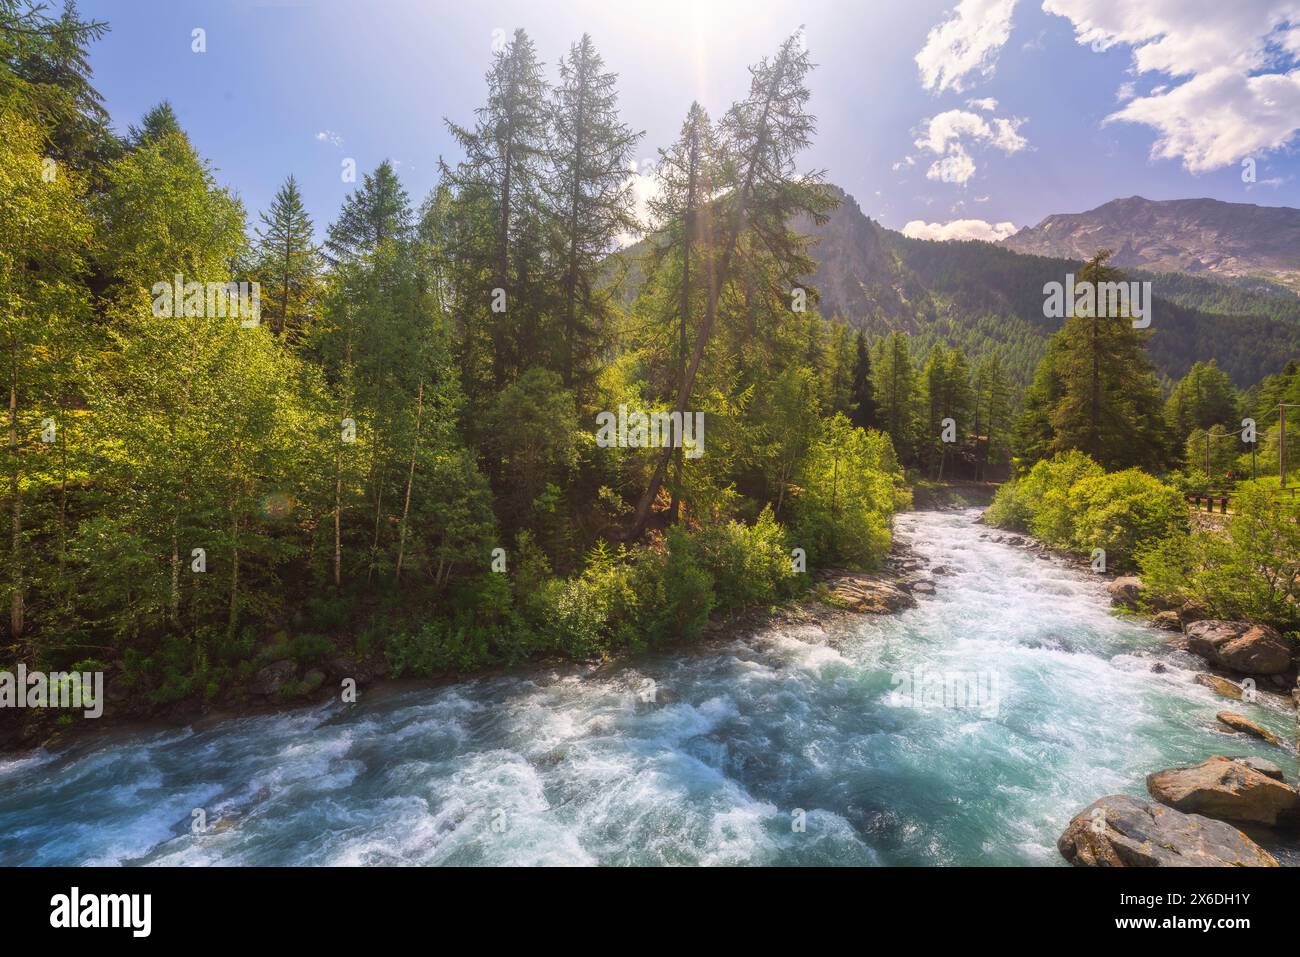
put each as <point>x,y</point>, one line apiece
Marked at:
<point>1250,570</point>
<point>676,591</point>
<point>1038,502</point>
<point>750,563</point>
<point>1051,482</point>
<point>439,646</point>
<point>1121,511</point>
<point>851,487</point>
<point>1011,507</point>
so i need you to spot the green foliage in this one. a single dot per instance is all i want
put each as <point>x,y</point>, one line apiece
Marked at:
<point>1249,571</point>
<point>1095,391</point>
<point>750,563</point>
<point>677,591</point>
<point>347,469</point>
<point>1204,398</point>
<point>1121,511</point>
<point>851,486</point>
<point>1069,502</point>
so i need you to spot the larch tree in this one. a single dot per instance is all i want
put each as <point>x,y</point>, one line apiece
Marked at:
<point>500,221</point>
<point>591,193</point>
<point>763,133</point>
<point>379,210</point>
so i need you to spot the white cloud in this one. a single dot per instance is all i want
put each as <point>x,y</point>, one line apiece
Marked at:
<point>330,137</point>
<point>988,104</point>
<point>1238,95</point>
<point>959,229</point>
<point>949,134</point>
<point>965,45</point>
<point>1216,118</point>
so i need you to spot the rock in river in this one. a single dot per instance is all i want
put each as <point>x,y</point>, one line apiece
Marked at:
<point>1123,831</point>
<point>1229,689</point>
<point>1240,646</point>
<point>1226,790</point>
<point>866,593</point>
<point>1239,723</point>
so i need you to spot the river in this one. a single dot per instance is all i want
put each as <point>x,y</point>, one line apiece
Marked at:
<point>790,746</point>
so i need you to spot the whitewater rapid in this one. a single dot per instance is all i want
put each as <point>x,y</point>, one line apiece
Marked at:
<point>790,746</point>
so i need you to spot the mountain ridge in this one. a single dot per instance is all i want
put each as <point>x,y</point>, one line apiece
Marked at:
<point>983,296</point>
<point>1195,236</point>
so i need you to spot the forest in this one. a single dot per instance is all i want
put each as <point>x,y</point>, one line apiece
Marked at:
<point>397,458</point>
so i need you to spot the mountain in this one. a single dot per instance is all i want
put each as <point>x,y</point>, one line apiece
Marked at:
<point>981,296</point>
<point>1197,236</point>
<point>984,297</point>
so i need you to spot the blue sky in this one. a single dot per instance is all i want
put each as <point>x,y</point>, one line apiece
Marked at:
<point>956,117</point>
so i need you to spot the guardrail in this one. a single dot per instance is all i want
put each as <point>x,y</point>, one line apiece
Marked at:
<point>1196,500</point>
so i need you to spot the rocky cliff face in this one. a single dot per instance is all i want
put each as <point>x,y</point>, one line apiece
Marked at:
<point>857,273</point>
<point>1199,236</point>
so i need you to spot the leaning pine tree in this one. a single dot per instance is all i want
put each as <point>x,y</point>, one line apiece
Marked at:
<point>764,133</point>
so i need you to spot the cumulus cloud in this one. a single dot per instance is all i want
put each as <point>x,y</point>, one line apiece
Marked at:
<point>966,45</point>
<point>1239,89</point>
<point>950,134</point>
<point>988,104</point>
<point>959,229</point>
<point>1217,118</point>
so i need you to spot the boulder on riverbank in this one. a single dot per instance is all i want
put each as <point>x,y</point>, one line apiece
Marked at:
<point>866,594</point>
<point>269,680</point>
<point>1226,790</point>
<point>1240,646</point>
<point>1243,724</point>
<point>1167,621</point>
<point>1123,831</point>
<point>1125,591</point>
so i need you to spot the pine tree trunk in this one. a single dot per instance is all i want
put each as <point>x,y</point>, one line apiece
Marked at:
<point>410,480</point>
<point>684,309</point>
<point>234,568</point>
<point>174,603</point>
<point>338,511</point>
<point>570,317</point>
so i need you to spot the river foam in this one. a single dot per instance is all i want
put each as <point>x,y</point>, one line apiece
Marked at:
<point>790,746</point>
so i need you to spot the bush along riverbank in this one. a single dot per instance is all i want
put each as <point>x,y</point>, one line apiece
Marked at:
<point>686,584</point>
<point>1230,594</point>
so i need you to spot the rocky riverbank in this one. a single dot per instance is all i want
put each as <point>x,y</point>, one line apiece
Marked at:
<point>1199,812</point>
<point>1203,812</point>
